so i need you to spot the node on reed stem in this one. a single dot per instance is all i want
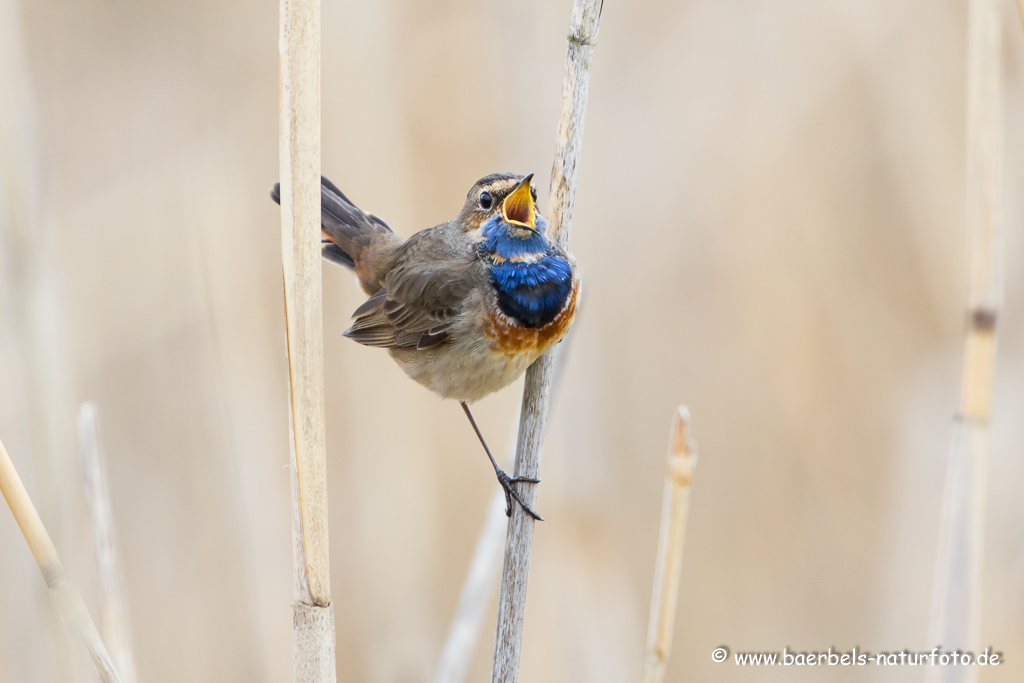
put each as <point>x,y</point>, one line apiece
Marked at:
<point>956,602</point>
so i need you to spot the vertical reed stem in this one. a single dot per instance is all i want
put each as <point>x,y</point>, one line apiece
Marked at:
<point>66,597</point>
<point>313,616</point>
<point>586,16</point>
<point>114,606</point>
<point>483,569</point>
<point>682,459</point>
<point>956,603</point>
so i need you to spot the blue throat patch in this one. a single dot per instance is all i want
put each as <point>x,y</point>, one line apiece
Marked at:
<point>532,292</point>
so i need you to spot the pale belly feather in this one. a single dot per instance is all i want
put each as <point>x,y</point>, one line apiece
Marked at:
<point>464,371</point>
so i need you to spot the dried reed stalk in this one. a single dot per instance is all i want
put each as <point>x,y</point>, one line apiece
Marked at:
<point>66,599</point>
<point>682,459</point>
<point>114,610</point>
<point>956,602</point>
<point>313,616</point>
<point>582,37</point>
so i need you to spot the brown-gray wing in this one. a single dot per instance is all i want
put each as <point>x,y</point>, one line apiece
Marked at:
<point>417,305</point>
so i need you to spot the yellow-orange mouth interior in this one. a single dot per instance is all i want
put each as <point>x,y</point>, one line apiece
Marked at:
<point>518,206</point>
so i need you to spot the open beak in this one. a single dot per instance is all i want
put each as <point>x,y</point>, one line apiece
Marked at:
<point>517,208</point>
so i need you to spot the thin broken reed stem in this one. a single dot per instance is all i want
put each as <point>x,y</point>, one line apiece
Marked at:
<point>682,459</point>
<point>114,609</point>
<point>65,596</point>
<point>476,592</point>
<point>956,602</point>
<point>581,39</point>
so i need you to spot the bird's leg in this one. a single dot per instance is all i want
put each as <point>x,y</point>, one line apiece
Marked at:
<point>503,478</point>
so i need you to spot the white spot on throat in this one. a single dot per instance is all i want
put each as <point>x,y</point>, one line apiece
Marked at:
<point>518,258</point>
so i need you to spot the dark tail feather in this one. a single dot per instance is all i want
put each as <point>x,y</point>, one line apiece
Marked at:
<point>349,231</point>
<point>333,253</point>
<point>325,183</point>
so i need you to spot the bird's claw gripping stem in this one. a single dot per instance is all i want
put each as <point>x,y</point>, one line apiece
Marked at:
<point>503,478</point>
<point>511,493</point>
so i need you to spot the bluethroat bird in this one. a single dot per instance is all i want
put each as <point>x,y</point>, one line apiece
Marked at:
<point>463,307</point>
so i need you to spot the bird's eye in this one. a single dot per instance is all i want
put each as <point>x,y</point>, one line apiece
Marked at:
<point>486,200</point>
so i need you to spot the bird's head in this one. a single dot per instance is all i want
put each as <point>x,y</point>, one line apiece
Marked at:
<point>507,198</point>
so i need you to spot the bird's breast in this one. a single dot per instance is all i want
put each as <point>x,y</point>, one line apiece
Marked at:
<point>532,288</point>
<point>535,289</point>
<point>507,335</point>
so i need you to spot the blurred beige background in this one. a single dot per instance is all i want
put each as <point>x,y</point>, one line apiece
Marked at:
<point>770,227</point>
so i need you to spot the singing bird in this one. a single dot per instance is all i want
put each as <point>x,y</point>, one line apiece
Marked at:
<point>463,307</point>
